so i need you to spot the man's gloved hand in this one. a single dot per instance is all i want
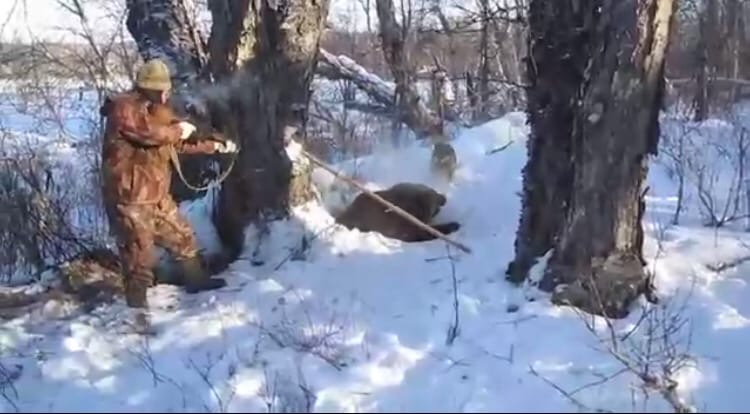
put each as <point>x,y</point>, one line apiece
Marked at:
<point>187,129</point>
<point>226,147</point>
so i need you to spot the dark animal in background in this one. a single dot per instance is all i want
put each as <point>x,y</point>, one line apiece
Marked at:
<point>444,160</point>
<point>421,201</point>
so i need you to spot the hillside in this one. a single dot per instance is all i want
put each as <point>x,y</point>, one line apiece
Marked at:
<point>362,323</point>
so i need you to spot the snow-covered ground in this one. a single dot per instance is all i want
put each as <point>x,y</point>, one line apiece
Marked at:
<point>363,323</point>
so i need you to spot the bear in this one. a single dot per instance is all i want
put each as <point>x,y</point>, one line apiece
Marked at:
<point>421,201</point>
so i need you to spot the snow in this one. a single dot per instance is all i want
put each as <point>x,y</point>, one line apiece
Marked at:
<point>359,322</point>
<point>293,150</point>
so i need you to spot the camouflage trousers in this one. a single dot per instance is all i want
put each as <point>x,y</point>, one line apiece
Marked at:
<point>138,229</point>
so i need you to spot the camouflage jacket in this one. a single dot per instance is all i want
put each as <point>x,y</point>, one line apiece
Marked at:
<point>136,151</point>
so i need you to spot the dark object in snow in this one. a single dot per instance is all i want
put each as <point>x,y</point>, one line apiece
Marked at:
<point>419,200</point>
<point>512,308</point>
<point>444,160</point>
<point>89,280</point>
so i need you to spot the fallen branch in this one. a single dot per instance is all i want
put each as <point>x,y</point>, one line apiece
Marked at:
<point>581,406</point>
<point>409,109</point>
<point>713,80</point>
<point>8,378</point>
<point>500,148</point>
<point>385,202</point>
<point>453,330</point>
<point>342,67</point>
<point>722,266</point>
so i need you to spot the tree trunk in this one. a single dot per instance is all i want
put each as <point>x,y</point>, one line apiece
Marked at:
<point>700,100</point>
<point>471,92</point>
<point>742,44</point>
<point>614,127</point>
<point>680,171</point>
<point>553,73</point>
<point>267,102</point>
<point>409,102</point>
<point>484,62</point>
<point>734,31</point>
<point>506,54</point>
<point>232,36</point>
<point>164,29</point>
<point>518,36</point>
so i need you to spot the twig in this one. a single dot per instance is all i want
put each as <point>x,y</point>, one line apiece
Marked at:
<point>599,381</point>
<point>300,346</point>
<point>567,395</point>
<point>145,357</point>
<point>435,259</point>
<point>7,385</point>
<point>204,375</point>
<point>665,356</point>
<point>722,266</point>
<point>268,394</point>
<point>297,250</point>
<point>453,330</point>
<point>499,149</point>
<point>517,320</point>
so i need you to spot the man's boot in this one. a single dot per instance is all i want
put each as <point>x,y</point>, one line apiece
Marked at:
<point>136,292</point>
<point>195,277</point>
<point>136,299</point>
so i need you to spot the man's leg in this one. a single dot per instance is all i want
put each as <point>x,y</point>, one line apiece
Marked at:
<point>133,229</point>
<point>174,233</point>
<point>135,235</point>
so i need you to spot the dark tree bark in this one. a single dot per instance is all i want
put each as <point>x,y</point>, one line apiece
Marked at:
<point>165,29</point>
<point>471,91</point>
<point>597,262</point>
<point>700,100</point>
<point>554,71</point>
<point>484,61</point>
<point>413,109</point>
<point>267,101</point>
<point>232,36</point>
<point>736,36</point>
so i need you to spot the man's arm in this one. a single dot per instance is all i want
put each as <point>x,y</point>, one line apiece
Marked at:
<point>215,142</point>
<point>197,146</point>
<point>132,122</point>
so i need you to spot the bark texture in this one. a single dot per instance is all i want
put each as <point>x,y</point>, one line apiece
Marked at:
<point>484,60</point>
<point>267,102</point>
<point>613,127</point>
<point>554,70</point>
<point>165,29</point>
<point>232,36</point>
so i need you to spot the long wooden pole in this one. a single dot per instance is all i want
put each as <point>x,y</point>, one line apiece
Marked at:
<point>386,203</point>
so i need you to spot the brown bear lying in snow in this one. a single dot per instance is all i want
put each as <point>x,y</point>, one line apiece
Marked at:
<point>421,201</point>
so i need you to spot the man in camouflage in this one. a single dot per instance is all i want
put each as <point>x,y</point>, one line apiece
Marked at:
<point>136,170</point>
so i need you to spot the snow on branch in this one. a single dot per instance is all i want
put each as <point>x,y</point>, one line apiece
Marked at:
<point>343,67</point>
<point>379,90</point>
